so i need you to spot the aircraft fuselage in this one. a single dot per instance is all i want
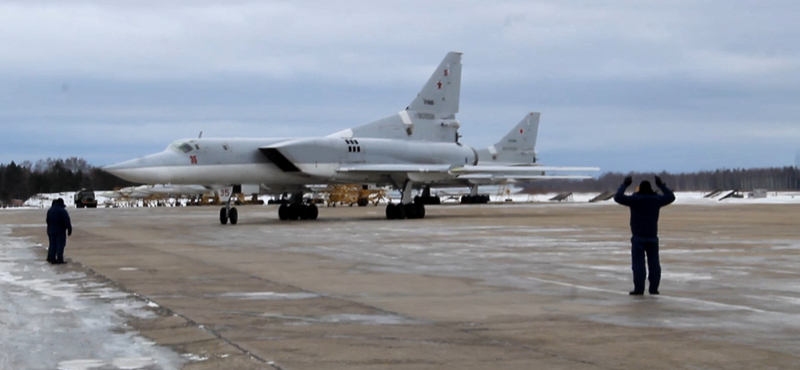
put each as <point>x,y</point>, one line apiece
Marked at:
<point>295,162</point>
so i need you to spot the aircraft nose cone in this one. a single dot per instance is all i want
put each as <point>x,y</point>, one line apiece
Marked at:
<point>116,167</point>
<point>148,170</point>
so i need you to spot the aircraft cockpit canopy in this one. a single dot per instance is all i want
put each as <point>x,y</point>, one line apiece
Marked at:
<point>181,147</point>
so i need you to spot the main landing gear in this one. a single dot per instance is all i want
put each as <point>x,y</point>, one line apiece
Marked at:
<point>426,197</point>
<point>401,211</point>
<point>474,199</point>
<point>406,208</point>
<point>297,210</point>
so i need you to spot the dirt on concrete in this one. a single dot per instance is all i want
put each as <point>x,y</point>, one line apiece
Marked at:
<point>469,287</point>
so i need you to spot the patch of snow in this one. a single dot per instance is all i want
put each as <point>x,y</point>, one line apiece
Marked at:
<point>46,307</point>
<point>194,357</point>
<point>133,363</point>
<point>80,364</point>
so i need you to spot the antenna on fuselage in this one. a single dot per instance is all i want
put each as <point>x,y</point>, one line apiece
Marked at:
<point>201,135</point>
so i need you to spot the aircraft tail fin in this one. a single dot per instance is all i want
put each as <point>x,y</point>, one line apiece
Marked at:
<point>518,146</point>
<point>429,117</point>
<point>440,95</point>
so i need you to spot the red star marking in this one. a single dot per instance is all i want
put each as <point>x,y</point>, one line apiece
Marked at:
<point>445,73</point>
<point>439,84</point>
<point>521,130</point>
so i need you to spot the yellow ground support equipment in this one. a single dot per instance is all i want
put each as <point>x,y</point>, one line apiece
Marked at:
<point>352,194</point>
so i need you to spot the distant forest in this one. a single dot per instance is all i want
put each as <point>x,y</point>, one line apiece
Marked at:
<point>773,179</point>
<point>21,181</point>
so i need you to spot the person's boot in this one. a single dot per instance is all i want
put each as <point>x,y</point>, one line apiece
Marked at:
<point>636,292</point>
<point>654,292</point>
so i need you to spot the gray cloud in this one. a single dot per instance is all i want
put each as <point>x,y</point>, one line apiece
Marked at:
<point>675,85</point>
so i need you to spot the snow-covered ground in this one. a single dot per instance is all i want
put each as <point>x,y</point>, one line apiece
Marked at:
<point>54,317</point>
<point>680,198</point>
<point>452,195</point>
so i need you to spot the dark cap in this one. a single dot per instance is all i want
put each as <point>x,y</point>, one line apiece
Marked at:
<point>645,188</point>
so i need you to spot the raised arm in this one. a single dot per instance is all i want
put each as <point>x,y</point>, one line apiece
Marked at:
<point>620,197</point>
<point>668,196</point>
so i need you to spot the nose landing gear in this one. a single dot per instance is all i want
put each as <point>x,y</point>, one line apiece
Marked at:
<point>226,215</point>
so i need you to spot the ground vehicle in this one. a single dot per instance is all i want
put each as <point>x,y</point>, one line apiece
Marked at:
<point>85,198</point>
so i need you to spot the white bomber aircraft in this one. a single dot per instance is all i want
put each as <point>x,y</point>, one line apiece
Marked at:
<point>415,148</point>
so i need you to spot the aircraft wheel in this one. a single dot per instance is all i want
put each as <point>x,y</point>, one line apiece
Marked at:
<point>313,212</point>
<point>400,211</point>
<point>305,210</point>
<point>390,212</point>
<point>411,211</point>
<point>464,199</point>
<point>233,215</point>
<point>420,210</point>
<point>283,212</point>
<point>223,216</point>
<point>294,211</point>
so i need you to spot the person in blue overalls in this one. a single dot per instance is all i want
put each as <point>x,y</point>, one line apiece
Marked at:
<point>59,227</point>
<point>645,205</point>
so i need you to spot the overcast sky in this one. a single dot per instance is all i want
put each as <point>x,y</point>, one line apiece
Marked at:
<point>623,85</point>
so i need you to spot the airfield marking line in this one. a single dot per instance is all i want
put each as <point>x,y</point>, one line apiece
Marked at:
<point>694,300</point>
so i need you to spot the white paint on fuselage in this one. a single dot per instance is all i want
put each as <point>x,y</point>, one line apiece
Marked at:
<point>253,173</point>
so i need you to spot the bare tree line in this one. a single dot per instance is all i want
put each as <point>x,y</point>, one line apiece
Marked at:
<point>21,181</point>
<point>772,179</point>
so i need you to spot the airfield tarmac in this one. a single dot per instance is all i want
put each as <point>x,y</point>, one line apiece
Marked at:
<point>469,287</point>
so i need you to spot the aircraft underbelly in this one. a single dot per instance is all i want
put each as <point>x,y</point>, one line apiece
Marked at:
<point>255,173</point>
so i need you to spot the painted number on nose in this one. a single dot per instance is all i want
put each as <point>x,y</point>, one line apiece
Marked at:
<point>193,158</point>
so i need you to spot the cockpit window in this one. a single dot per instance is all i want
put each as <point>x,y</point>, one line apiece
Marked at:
<point>181,147</point>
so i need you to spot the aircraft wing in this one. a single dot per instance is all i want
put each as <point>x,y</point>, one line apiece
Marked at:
<point>520,169</point>
<point>438,173</point>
